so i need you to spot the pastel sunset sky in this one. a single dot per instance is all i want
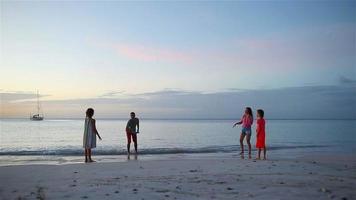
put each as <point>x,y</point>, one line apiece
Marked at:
<point>295,59</point>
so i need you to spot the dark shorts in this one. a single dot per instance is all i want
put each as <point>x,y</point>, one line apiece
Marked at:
<point>130,135</point>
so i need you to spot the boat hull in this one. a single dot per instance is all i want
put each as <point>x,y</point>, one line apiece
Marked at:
<point>37,119</point>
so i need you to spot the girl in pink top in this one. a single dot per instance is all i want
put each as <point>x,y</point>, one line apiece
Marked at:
<point>246,121</point>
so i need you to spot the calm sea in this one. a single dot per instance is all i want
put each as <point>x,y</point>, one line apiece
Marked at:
<point>22,137</point>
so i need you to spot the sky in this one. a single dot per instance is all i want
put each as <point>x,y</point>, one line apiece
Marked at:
<point>171,59</point>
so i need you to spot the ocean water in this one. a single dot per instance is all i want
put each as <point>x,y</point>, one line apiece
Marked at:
<point>22,137</point>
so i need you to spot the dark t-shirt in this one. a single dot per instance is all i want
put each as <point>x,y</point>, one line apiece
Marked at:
<point>132,125</point>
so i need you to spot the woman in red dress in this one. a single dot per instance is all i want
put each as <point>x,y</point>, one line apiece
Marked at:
<point>261,134</point>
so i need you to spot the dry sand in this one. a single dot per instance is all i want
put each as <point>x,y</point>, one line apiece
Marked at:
<point>217,176</point>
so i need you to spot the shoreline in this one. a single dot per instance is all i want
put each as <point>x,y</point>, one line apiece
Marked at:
<point>208,176</point>
<point>276,152</point>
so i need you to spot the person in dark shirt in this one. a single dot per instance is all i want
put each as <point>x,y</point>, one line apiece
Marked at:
<point>132,128</point>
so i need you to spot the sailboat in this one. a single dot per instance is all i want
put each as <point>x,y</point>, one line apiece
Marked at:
<point>37,116</point>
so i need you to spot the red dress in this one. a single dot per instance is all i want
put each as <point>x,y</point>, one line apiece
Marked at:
<point>260,142</point>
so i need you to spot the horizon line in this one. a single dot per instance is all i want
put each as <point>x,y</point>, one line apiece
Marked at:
<point>152,118</point>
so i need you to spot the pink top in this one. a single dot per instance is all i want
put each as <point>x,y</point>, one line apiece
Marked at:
<point>247,121</point>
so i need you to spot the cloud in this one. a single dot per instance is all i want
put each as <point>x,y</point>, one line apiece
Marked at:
<point>236,89</point>
<point>17,103</point>
<point>307,102</point>
<point>327,46</point>
<point>167,92</point>
<point>318,47</point>
<point>17,96</point>
<point>295,102</point>
<point>110,94</point>
<point>345,80</point>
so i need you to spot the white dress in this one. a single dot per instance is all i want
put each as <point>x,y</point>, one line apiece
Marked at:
<point>89,138</point>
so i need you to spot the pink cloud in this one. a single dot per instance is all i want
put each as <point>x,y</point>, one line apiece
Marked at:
<point>330,46</point>
<point>322,47</point>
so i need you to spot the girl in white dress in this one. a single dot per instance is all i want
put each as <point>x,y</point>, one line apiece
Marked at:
<point>90,132</point>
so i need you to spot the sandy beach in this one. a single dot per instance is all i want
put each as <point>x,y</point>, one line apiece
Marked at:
<point>213,176</point>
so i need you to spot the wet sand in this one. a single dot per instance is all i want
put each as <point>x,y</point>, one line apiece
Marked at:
<point>217,176</point>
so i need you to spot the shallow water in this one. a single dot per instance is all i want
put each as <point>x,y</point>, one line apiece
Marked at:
<point>64,137</point>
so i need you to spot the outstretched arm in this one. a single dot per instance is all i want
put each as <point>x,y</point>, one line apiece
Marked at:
<point>237,123</point>
<point>96,131</point>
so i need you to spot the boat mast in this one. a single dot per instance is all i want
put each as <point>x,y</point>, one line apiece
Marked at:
<point>38,103</point>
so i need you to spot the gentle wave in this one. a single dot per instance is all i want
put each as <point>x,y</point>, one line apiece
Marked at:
<point>150,151</point>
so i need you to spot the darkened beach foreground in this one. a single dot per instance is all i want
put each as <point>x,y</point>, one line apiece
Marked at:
<point>209,176</point>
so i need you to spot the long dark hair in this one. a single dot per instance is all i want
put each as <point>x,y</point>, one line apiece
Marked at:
<point>249,111</point>
<point>90,112</point>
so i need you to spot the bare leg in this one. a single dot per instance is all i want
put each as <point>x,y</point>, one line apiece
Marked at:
<point>86,155</point>
<point>264,153</point>
<point>134,138</point>
<point>242,137</point>
<point>135,144</point>
<point>89,152</point>
<point>128,148</point>
<point>248,138</point>
<point>259,154</point>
